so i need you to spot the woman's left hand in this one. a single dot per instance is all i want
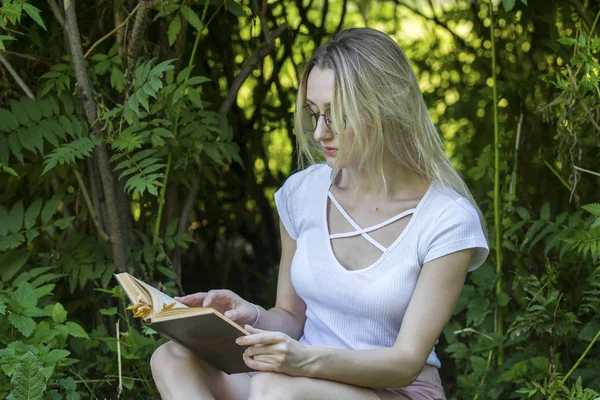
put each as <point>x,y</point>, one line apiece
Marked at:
<point>274,352</point>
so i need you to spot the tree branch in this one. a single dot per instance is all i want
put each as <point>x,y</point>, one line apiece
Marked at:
<point>60,17</point>
<point>142,19</point>
<point>16,76</point>
<point>247,69</point>
<point>109,34</point>
<point>86,95</point>
<point>90,206</point>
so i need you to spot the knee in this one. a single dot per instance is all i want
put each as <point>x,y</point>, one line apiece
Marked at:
<point>270,386</point>
<point>165,357</point>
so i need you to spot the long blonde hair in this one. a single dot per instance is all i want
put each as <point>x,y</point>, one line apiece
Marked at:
<point>376,93</point>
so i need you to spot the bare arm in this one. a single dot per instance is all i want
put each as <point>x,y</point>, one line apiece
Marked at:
<point>430,308</point>
<point>288,315</point>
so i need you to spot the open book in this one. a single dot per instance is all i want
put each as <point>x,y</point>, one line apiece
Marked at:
<point>204,331</point>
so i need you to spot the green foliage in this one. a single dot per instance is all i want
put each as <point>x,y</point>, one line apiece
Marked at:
<point>29,124</point>
<point>160,124</point>
<point>28,380</point>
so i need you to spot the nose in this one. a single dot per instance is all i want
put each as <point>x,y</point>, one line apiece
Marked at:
<point>322,132</point>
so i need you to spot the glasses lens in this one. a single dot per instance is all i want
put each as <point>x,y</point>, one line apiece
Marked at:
<point>309,119</point>
<point>328,120</point>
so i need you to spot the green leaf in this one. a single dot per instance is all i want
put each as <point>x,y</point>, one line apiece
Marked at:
<point>174,29</point>
<point>32,109</point>
<point>15,146</point>
<point>15,218</point>
<point>11,241</point>
<point>3,38</point>
<point>8,121</point>
<point>58,313</point>
<point>19,112</point>
<point>11,262</point>
<point>102,67</point>
<point>76,330</point>
<point>34,13</point>
<point>3,217</point>
<point>117,79</point>
<point>28,380</point>
<point>44,290</point>
<point>25,296</point>
<point>108,311</point>
<point>191,17</point>
<point>50,208</point>
<point>31,234</point>
<point>25,325</point>
<point>236,9</point>
<point>169,273</point>
<point>593,208</point>
<point>32,213</point>
<point>508,5</point>
<point>197,80</point>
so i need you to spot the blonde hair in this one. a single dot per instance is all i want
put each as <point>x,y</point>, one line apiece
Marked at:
<point>376,93</point>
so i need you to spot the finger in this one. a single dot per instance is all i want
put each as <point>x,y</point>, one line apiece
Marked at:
<point>259,365</point>
<point>192,299</point>
<point>252,329</point>
<point>231,314</point>
<point>262,351</point>
<point>260,338</point>
<point>215,295</point>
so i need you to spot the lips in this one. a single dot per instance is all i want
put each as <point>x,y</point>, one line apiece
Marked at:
<point>330,151</point>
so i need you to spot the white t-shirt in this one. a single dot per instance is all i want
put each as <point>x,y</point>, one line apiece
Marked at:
<point>363,309</point>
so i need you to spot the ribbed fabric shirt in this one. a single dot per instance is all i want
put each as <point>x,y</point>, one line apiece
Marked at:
<point>363,309</point>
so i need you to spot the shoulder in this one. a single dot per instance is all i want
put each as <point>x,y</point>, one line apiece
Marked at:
<point>451,222</point>
<point>445,202</point>
<point>305,178</point>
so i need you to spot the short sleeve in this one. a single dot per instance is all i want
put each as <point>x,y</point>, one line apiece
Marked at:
<point>458,228</point>
<point>283,201</point>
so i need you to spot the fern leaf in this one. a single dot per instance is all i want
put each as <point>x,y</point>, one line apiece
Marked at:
<point>68,153</point>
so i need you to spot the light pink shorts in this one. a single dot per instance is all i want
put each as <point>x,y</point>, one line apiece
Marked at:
<point>427,386</point>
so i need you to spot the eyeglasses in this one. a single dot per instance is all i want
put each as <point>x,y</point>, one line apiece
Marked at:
<point>314,117</point>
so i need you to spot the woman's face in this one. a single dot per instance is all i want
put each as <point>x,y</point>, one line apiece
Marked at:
<point>319,95</point>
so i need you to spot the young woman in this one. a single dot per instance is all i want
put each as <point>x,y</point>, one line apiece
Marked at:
<point>376,245</point>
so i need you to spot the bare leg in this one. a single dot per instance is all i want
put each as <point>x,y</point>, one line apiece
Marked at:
<point>273,386</point>
<point>179,374</point>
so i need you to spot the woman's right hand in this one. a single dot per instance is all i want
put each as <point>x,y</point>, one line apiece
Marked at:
<point>226,302</point>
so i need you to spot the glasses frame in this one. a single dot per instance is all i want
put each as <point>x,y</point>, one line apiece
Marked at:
<point>316,116</point>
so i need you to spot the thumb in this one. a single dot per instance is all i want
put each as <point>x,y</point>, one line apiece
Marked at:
<point>231,315</point>
<point>251,329</point>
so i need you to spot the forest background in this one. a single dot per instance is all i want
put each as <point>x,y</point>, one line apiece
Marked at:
<point>150,135</point>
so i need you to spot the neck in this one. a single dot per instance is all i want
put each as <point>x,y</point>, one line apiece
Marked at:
<point>401,183</point>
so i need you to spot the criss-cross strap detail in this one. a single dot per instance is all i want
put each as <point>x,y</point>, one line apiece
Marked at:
<point>364,232</point>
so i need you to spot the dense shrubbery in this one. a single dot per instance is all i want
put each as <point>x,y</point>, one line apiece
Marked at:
<point>158,148</point>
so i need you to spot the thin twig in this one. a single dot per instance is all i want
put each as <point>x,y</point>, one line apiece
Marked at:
<point>16,76</point>
<point>120,387</point>
<point>29,57</point>
<point>90,206</point>
<point>109,34</point>
<point>586,170</point>
<point>513,180</point>
<point>57,12</point>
